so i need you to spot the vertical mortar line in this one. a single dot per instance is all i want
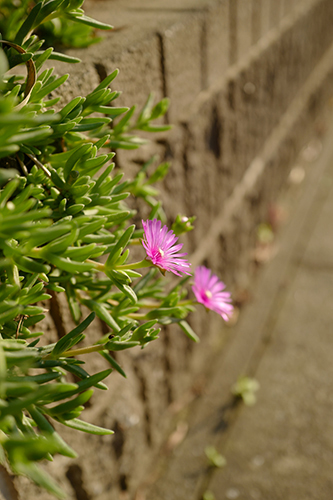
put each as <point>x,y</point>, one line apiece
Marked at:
<point>204,52</point>
<point>163,71</point>
<point>256,21</point>
<point>145,402</point>
<point>274,17</point>
<point>101,71</point>
<point>7,486</point>
<point>187,176</point>
<point>55,313</point>
<point>74,475</point>
<point>233,48</point>
<point>167,366</point>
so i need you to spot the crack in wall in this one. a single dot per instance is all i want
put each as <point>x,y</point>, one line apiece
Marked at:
<point>101,71</point>
<point>214,134</point>
<point>233,45</point>
<point>55,312</point>
<point>163,71</point>
<point>167,367</point>
<point>203,56</point>
<point>75,476</point>
<point>144,398</point>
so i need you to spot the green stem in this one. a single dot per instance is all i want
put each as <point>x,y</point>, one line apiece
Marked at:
<point>84,350</point>
<point>98,265</point>
<point>149,305</point>
<point>135,265</point>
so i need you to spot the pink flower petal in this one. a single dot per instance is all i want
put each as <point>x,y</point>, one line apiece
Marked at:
<point>208,288</point>
<point>160,247</point>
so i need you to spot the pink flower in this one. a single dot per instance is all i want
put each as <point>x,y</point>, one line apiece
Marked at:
<point>208,291</point>
<point>159,244</point>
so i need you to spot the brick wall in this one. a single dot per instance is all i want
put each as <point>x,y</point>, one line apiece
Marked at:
<point>247,79</point>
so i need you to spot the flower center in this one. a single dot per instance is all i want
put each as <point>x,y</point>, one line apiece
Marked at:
<point>161,252</point>
<point>208,294</point>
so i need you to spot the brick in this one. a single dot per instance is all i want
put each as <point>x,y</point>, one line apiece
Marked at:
<point>226,109</point>
<point>182,60</point>
<point>217,41</point>
<point>265,17</point>
<point>256,22</point>
<point>139,68</point>
<point>275,8</point>
<point>174,188</point>
<point>244,26</point>
<point>83,79</point>
<point>202,155</point>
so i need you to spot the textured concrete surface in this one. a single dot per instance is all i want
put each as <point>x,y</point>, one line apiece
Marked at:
<point>239,120</point>
<point>281,448</point>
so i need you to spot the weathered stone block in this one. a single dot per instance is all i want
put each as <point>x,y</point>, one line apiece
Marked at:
<point>182,44</point>
<point>244,26</point>
<point>276,12</point>
<point>217,41</point>
<point>83,79</point>
<point>265,17</point>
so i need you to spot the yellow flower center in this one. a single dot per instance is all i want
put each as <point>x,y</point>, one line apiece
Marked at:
<point>161,252</point>
<point>208,294</point>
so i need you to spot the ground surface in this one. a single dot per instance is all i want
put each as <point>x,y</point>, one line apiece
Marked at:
<point>281,448</point>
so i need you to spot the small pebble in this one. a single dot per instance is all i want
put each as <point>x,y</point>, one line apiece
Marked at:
<point>232,493</point>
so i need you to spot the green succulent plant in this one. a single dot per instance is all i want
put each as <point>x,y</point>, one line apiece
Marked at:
<point>65,228</point>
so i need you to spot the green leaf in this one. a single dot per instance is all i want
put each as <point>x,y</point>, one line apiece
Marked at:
<point>121,243</point>
<point>75,157</point>
<point>71,266</point>
<point>80,400</point>
<point>79,18</point>
<point>11,313</point>
<point>64,112</point>
<point>188,331</point>
<point>48,9</point>
<point>28,24</point>
<point>102,313</point>
<point>104,83</point>
<point>65,342</point>
<point>58,56</point>
<point>121,346</point>
<point>125,289</point>
<point>73,303</point>
<point>47,89</point>
<point>214,457</point>
<point>39,59</point>
<point>155,128</point>
<point>40,477</point>
<point>142,330</point>
<point>30,265</point>
<point>112,362</point>
<point>117,129</point>
<point>45,426</point>
<point>110,110</point>
<point>85,384</point>
<point>80,425</point>
<point>78,371</point>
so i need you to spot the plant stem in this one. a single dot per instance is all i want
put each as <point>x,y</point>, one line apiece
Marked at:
<point>39,164</point>
<point>99,266</point>
<point>135,265</point>
<point>84,350</point>
<point>135,241</point>
<point>149,305</point>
